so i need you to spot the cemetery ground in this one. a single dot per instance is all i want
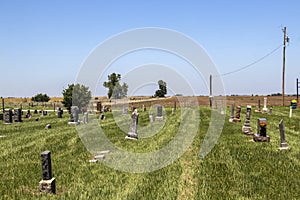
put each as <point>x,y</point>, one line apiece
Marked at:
<point>236,168</point>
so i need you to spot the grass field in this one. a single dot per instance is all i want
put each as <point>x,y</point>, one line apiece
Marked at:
<point>236,168</point>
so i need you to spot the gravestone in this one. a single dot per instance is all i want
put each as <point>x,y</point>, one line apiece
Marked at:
<point>124,110</point>
<point>237,114</point>
<point>261,135</point>
<point>265,109</point>
<point>74,116</point>
<point>258,106</point>
<point>143,108</point>
<point>35,112</point>
<point>283,143</point>
<point>232,113</point>
<point>159,115</point>
<point>17,115</point>
<point>247,127</point>
<point>7,116</point>
<point>85,117</point>
<point>44,113</point>
<point>28,114</point>
<point>99,107</point>
<point>151,119</point>
<point>47,184</point>
<point>271,111</point>
<point>291,111</point>
<point>174,106</point>
<point>59,113</point>
<point>1,116</point>
<point>132,134</point>
<point>102,117</point>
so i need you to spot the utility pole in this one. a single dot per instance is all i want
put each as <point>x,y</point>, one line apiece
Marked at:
<point>285,40</point>
<point>297,87</point>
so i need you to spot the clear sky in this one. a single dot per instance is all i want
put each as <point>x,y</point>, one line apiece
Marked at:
<point>44,43</point>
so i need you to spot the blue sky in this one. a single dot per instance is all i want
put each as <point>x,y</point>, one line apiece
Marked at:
<point>44,43</point>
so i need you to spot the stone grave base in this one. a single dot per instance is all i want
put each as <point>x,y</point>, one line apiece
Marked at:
<point>130,138</point>
<point>258,138</point>
<point>234,120</point>
<point>257,111</point>
<point>159,118</point>
<point>47,186</point>
<point>283,146</point>
<point>74,123</point>
<point>247,130</point>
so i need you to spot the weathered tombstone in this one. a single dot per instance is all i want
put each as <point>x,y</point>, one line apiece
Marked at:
<point>17,115</point>
<point>74,116</point>
<point>124,110</point>
<point>1,116</point>
<point>132,134</point>
<point>247,127</point>
<point>283,143</point>
<point>35,112</point>
<point>143,108</point>
<point>99,107</point>
<point>28,114</point>
<point>59,113</point>
<point>237,115</point>
<point>102,117</point>
<point>7,116</point>
<point>271,111</point>
<point>85,117</point>
<point>265,109</point>
<point>47,184</point>
<point>151,119</point>
<point>159,115</point>
<point>232,113</point>
<point>261,135</point>
<point>44,113</point>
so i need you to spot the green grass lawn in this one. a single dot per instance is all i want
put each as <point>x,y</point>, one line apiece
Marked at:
<point>236,168</point>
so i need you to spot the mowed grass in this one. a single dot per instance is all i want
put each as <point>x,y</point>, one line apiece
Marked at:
<point>236,168</point>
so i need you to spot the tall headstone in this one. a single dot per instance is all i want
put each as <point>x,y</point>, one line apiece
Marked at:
<point>261,135</point>
<point>143,108</point>
<point>7,116</point>
<point>283,143</point>
<point>291,112</point>
<point>99,107</point>
<point>247,127</point>
<point>124,110</point>
<point>17,115</point>
<point>59,113</point>
<point>132,134</point>
<point>47,184</point>
<point>159,115</point>
<point>237,115</point>
<point>74,115</point>
<point>265,109</point>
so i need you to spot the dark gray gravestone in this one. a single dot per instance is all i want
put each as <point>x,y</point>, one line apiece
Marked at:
<point>35,112</point>
<point>7,116</point>
<point>47,184</point>
<point>74,117</point>
<point>159,115</point>
<point>283,143</point>
<point>46,165</point>
<point>44,113</point>
<point>99,107</point>
<point>17,115</point>
<point>261,135</point>
<point>1,116</point>
<point>132,134</point>
<point>59,113</point>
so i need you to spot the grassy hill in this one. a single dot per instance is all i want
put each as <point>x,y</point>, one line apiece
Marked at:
<point>236,168</point>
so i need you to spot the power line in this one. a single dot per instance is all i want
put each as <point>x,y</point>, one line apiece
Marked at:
<point>253,63</point>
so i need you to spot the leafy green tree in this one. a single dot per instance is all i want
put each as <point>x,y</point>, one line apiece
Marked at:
<point>40,98</point>
<point>115,89</point>
<point>162,89</point>
<point>76,95</point>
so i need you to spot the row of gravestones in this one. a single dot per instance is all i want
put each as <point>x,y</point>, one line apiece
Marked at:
<point>261,135</point>
<point>9,116</point>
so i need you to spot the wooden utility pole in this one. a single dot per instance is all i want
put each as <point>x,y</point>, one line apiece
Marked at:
<point>283,63</point>
<point>297,87</point>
